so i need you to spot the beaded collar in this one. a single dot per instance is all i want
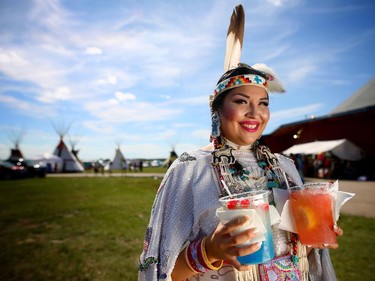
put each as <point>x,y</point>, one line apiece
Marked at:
<point>239,179</point>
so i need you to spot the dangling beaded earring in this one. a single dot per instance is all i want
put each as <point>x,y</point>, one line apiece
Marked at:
<point>215,125</point>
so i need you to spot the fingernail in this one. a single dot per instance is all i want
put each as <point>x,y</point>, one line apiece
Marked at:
<point>258,244</point>
<point>255,230</point>
<point>335,227</point>
<point>241,219</point>
<point>244,219</point>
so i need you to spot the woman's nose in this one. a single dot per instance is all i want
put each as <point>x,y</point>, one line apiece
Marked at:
<point>252,111</point>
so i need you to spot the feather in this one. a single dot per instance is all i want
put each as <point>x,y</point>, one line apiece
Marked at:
<point>234,38</point>
<point>273,82</point>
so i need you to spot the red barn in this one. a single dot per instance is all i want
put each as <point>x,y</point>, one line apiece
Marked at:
<point>353,120</point>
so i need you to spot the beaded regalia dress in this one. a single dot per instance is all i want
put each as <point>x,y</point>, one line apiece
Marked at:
<point>184,210</point>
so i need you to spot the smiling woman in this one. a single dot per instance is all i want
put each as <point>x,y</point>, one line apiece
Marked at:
<point>185,239</point>
<point>244,114</point>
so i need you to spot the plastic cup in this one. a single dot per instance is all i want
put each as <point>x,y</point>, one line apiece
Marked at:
<point>255,205</point>
<point>312,212</point>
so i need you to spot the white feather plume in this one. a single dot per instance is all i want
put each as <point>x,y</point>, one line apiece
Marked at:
<point>274,83</point>
<point>234,38</point>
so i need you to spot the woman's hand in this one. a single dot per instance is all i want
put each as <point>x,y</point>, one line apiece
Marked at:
<point>220,245</point>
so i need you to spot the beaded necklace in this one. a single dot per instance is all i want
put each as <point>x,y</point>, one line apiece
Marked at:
<point>239,179</point>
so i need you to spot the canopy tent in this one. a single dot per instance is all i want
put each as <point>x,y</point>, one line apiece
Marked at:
<point>342,149</point>
<point>53,163</point>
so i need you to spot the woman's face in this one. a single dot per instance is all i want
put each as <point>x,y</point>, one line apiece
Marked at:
<point>244,114</point>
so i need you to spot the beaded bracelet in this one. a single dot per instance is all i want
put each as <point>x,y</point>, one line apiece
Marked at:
<point>188,261</point>
<point>196,257</point>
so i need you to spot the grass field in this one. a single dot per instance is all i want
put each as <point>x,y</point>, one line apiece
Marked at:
<point>92,229</point>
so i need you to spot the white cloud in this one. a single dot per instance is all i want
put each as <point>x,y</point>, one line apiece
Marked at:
<point>298,112</point>
<point>197,100</point>
<point>276,2</point>
<point>124,96</point>
<point>112,112</point>
<point>301,71</point>
<point>11,58</point>
<point>27,108</point>
<point>109,80</point>
<point>166,97</point>
<point>94,51</point>
<point>61,93</point>
<point>99,127</point>
<point>49,14</point>
<point>15,103</point>
<point>113,102</point>
<point>146,150</point>
<point>201,134</point>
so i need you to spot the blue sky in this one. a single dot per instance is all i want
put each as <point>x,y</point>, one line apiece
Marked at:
<point>138,73</point>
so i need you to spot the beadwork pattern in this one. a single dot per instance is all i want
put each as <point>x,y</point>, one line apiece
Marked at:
<point>240,80</point>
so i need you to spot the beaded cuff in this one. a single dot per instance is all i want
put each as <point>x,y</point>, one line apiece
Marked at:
<point>196,257</point>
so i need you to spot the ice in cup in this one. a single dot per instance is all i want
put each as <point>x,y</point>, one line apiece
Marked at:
<point>312,210</point>
<point>255,205</point>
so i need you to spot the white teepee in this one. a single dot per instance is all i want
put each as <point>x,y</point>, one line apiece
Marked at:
<point>70,162</point>
<point>73,141</point>
<point>119,162</point>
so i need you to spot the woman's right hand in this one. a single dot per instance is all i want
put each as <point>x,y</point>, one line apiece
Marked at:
<point>220,245</point>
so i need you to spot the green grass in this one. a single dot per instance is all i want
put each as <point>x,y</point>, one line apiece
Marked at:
<point>73,229</point>
<point>354,259</point>
<point>93,228</point>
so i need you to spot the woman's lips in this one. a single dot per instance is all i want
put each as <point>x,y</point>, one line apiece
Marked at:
<point>250,126</point>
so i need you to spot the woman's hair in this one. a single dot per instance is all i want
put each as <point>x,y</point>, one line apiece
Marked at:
<point>241,69</point>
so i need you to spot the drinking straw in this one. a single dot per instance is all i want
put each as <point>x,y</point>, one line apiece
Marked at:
<point>286,180</point>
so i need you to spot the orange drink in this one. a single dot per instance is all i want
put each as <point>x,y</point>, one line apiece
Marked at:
<point>312,212</point>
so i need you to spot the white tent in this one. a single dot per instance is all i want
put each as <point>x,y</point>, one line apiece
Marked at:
<point>119,162</point>
<point>342,149</point>
<point>53,163</point>
<point>71,163</point>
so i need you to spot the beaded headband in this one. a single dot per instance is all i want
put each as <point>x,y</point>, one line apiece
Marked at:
<point>240,80</point>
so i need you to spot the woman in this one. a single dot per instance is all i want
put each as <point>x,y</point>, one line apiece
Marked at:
<point>184,239</point>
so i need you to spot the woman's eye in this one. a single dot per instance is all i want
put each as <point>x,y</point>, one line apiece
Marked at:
<point>265,103</point>
<point>240,101</point>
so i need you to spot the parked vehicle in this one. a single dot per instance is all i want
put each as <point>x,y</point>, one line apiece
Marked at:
<point>9,171</point>
<point>21,168</point>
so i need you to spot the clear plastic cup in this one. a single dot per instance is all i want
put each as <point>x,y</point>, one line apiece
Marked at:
<point>255,205</point>
<point>312,212</point>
